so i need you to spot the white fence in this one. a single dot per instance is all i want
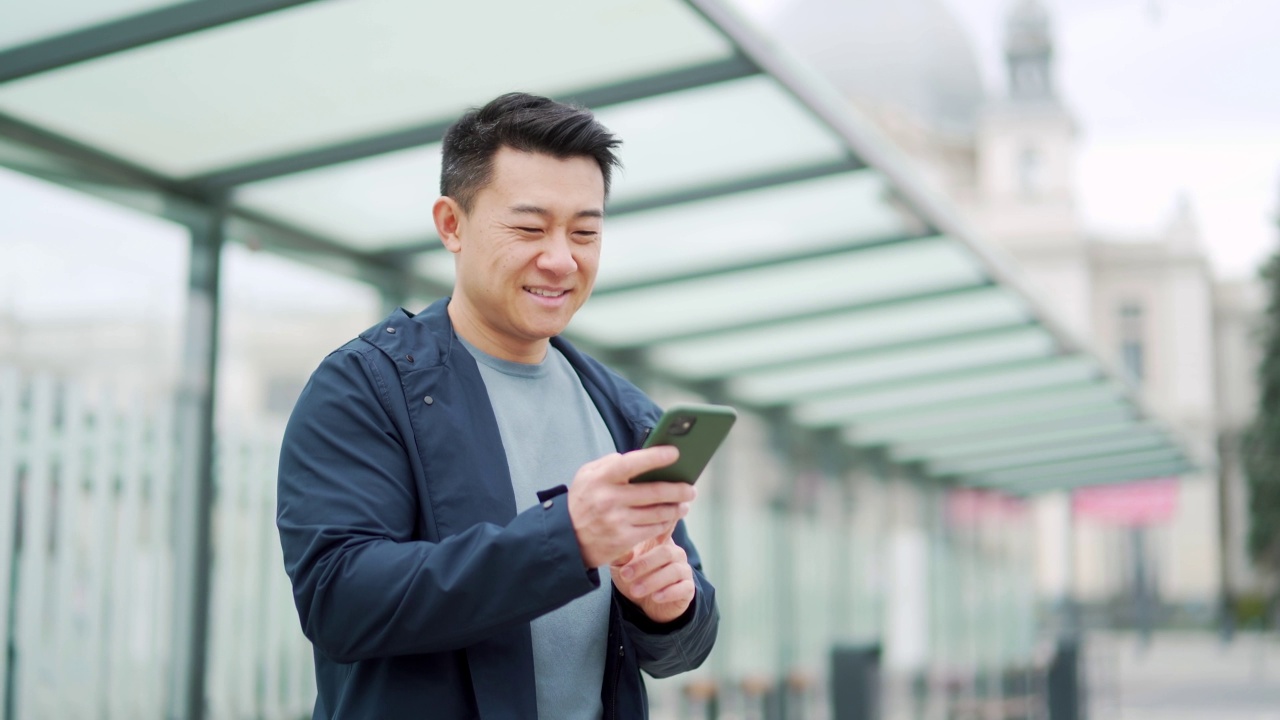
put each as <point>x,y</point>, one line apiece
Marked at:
<point>86,563</point>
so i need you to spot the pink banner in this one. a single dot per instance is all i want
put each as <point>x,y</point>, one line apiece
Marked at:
<point>1136,503</point>
<point>970,506</point>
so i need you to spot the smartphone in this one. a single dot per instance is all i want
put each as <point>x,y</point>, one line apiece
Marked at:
<point>696,430</point>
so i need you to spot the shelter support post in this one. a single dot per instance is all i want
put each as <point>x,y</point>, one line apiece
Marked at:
<point>194,486</point>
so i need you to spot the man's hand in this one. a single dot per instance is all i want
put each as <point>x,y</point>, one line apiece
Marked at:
<point>657,577</point>
<point>611,516</point>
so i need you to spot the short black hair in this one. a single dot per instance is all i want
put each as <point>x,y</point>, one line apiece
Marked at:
<point>529,123</point>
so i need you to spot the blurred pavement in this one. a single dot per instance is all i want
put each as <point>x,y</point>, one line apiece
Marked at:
<point>1184,676</point>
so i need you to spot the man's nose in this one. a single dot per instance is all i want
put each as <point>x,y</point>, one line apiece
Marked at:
<point>557,256</point>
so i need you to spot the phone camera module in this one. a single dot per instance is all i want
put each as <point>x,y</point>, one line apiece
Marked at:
<point>682,425</point>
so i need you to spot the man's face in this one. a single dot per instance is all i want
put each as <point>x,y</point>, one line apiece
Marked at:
<point>527,253</point>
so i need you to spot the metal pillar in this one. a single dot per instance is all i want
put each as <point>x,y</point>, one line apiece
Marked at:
<point>194,491</point>
<point>1143,587</point>
<point>1227,442</point>
<point>782,508</point>
<point>1072,623</point>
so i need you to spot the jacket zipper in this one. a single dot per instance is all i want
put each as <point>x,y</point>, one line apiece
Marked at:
<point>617,676</point>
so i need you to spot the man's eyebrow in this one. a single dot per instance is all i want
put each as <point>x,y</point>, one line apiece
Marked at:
<point>535,210</point>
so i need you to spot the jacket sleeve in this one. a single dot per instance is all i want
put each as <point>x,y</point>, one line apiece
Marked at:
<point>666,649</point>
<point>348,513</point>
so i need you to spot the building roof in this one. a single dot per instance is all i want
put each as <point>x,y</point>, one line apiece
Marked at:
<point>765,246</point>
<point>909,54</point>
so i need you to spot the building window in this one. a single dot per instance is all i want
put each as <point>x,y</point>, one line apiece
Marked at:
<point>1131,339</point>
<point>1030,172</point>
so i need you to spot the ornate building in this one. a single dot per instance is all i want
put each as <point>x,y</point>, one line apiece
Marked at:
<point>1149,305</point>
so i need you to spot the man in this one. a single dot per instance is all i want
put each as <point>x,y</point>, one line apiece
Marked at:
<point>440,567</point>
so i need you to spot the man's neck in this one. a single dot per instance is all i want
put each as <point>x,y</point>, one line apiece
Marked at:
<point>485,339</point>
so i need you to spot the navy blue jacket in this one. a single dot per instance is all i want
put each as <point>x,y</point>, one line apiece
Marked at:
<point>414,577</point>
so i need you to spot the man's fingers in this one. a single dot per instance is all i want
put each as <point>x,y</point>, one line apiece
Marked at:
<point>658,514</point>
<point>636,462</point>
<point>665,553</point>
<point>677,591</point>
<point>661,579</point>
<point>659,493</point>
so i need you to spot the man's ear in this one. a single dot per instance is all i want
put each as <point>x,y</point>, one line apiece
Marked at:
<point>448,216</point>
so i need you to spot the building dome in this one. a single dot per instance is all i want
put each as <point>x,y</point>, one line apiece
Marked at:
<point>909,54</point>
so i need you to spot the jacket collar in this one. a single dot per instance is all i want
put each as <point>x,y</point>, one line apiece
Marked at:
<point>429,339</point>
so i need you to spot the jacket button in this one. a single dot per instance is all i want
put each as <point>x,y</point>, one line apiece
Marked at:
<point>409,358</point>
<point>620,651</point>
<point>428,399</point>
<point>548,503</point>
<point>391,330</point>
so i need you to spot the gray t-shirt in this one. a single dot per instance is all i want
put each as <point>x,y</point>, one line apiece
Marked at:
<point>550,428</point>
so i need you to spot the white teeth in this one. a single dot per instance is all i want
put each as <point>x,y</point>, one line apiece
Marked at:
<point>545,293</point>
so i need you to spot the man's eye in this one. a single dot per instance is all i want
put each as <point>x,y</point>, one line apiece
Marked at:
<point>529,229</point>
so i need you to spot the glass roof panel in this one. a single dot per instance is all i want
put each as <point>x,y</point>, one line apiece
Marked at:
<point>912,321</point>
<point>326,72</point>
<point>1117,473</point>
<point>40,20</point>
<point>845,407</point>
<point>672,142</point>
<point>1133,440</point>
<point>788,384</point>
<point>713,134</point>
<point>772,223</point>
<point>369,204</point>
<point>980,443</point>
<point>778,292</point>
<point>1043,402</point>
<point>1117,462</point>
<point>915,443</point>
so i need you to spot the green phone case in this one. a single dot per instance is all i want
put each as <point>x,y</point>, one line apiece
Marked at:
<point>696,430</point>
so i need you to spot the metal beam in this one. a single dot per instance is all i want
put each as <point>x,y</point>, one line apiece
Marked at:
<point>1067,395</point>
<point>914,445</point>
<point>843,395</point>
<point>260,231</point>
<point>1103,462</point>
<point>1068,481</point>
<point>777,386</point>
<point>772,322</point>
<point>1017,435</point>
<point>739,185</point>
<point>90,162</point>
<point>128,33</point>
<point>1127,440</point>
<point>674,278</point>
<point>800,360</point>
<point>102,174</point>
<point>855,389</point>
<point>717,71</point>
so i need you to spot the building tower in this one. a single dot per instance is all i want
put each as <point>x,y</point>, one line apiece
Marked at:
<point>1025,151</point>
<point>1029,52</point>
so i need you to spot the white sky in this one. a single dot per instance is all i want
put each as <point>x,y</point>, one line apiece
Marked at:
<point>1172,97</point>
<point>64,254</point>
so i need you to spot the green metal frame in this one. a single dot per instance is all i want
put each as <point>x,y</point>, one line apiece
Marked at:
<point>127,33</point>
<point>733,68</point>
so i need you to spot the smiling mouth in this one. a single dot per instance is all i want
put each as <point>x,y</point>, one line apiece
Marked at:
<point>542,292</point>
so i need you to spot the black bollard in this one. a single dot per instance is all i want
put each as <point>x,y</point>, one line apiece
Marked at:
<point>1066,691</point>
<point>855,682</point>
